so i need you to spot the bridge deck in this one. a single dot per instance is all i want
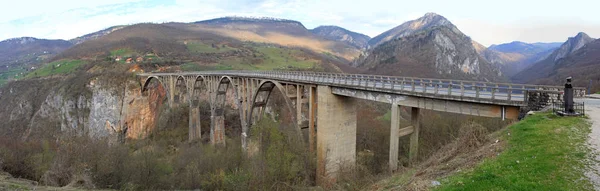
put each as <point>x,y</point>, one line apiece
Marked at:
<point>457,90</point>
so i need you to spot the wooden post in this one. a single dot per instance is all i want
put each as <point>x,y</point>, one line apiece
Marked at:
<point>414,137</point>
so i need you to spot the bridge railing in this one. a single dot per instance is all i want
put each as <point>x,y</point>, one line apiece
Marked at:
<point>456,89</point>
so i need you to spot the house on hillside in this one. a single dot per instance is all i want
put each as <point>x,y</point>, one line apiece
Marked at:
<point>139,59</point>
<point>119,58</point>
<point>129,60</point>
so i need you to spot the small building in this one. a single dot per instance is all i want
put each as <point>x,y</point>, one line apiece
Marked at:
<point>129,60</point>
<point>119,58</point>
<point>139,59</point>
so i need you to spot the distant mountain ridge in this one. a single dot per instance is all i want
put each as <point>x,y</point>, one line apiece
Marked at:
<point>552,63</point>
<point>515,56</point>
<point>29,50</point>
<point>343,35</point>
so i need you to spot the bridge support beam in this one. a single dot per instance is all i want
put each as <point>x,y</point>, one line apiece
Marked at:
<point>194,123</point>
<point>394,137</point>
<point>217,133</point>
<point>396,132</point>
<point>415,120</point>
<point>336,137</point>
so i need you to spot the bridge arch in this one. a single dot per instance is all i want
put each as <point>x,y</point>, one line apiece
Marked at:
<point>259,101</point>
<point>217,132</point>
<point>149,80</point>
<point>181,90</point>
<point>198,85</point>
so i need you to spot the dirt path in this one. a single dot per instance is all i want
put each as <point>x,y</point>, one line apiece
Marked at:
<point>592,107</point>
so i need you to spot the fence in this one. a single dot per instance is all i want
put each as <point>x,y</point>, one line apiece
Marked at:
<point>560,106</point>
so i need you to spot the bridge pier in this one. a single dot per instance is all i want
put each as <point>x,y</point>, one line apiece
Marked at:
<point>217,134</point>
<point>194,131</point>
<point>336,137</point>
<point>396,132</point>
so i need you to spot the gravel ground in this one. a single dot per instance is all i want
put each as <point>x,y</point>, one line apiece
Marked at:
<point>592,107</point>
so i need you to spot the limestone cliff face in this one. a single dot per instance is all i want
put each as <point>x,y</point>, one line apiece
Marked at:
<point>101,110</point>
<point>430,46</point>
<point>571,45</point>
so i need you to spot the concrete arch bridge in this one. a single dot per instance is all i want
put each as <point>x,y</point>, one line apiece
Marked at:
<point>331,113</point>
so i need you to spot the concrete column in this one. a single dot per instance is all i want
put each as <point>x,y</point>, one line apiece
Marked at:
<point>194,120</point>
<point>336,137</point>
<point>171,91</point>
<point>312,108</point>
<point>299,93</point>
<point>217,133</point>
<point>394,137</point>
<point>414,137</point>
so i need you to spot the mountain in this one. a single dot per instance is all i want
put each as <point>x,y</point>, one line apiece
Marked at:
<point>573,44</point>
<point>336,33</point>
<point>430,46</point>
<point>554,63</point>
<point>430,20</point>
<point>26,50</point>
<point>276,31</point>
<point>515,56</point>
<point>517,46</point>
<point>95,35</point>
<point>19,55</point>
<point>192,46</point>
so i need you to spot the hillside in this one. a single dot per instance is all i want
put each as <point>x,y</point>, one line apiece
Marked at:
<point>95,35</point>
<point>275,31</point>
<point>430,46</point>
<point>516,56</point>
<point>177,46</point>
<point>19,55</point>
<point>573,57</point>
<point>336,33</point>
<point>583,65</point>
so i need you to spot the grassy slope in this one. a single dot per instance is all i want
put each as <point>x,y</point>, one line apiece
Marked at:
<point>544,152</point>
<point>13,73</point>
<point>273,57</point>
<point>58,67</point>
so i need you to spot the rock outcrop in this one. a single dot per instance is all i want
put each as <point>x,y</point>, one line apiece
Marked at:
<point>340,34</point>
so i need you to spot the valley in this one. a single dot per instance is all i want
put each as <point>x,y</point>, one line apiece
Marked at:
<point>87,112</point>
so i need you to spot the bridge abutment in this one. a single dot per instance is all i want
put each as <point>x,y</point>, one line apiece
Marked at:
<point>336,136</point>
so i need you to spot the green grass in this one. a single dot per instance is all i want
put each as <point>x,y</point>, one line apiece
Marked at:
<point>13,73</point>
<point>597,92</point>
<point>123,52</point>
<point>200,47</point>
<point>58,67</point>
<point>544,152</point>
<point>271,58</point>
<point>282,58</point>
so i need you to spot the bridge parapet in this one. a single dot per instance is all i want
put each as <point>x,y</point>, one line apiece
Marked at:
<point>457,90</point>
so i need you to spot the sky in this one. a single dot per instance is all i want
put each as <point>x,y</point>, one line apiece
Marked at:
<point>488,22</point>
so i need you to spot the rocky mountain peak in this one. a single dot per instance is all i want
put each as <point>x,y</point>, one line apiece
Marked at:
<point>425,22</point>
<point>571,45</point>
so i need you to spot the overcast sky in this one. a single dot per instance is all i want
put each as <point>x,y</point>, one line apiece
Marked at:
<point>488,22</point>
